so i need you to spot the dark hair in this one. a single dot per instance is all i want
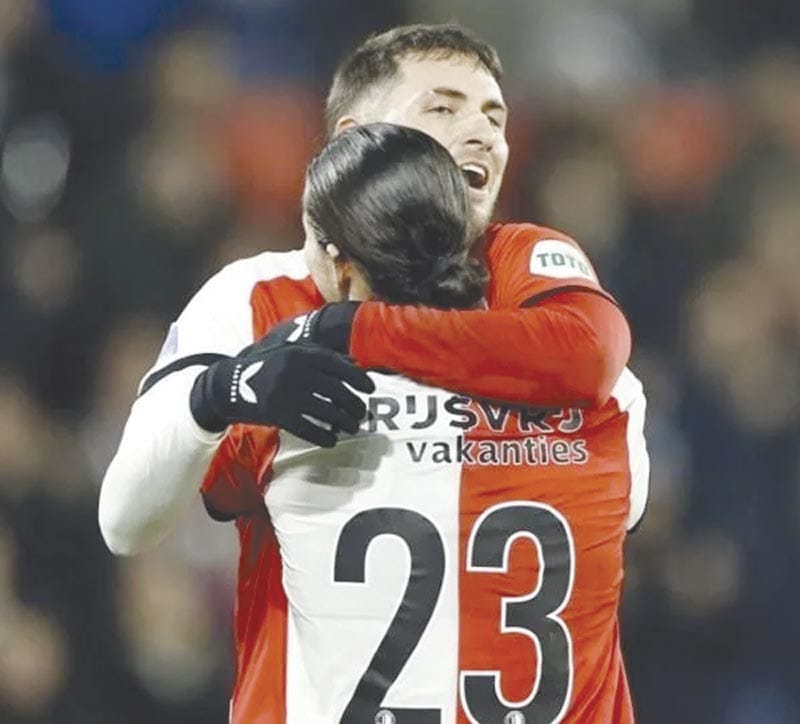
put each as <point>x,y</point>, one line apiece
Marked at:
<point>394,202</point>
<point>375,61</point>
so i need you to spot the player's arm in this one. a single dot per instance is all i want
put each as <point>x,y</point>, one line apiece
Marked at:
<point>163,453</point>
<point>203,383</point>
<point>157,469</point>
<point>553,338</point>
<point>565,351</point>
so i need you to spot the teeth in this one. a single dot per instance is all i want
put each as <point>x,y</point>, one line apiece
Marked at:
<point>476,174</point>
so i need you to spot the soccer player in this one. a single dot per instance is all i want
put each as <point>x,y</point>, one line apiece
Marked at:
<point>551,338</point>
<point>456,561</point>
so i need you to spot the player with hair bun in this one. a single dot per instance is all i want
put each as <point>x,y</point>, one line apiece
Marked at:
<point>451,560</point>
<point>398,546</point>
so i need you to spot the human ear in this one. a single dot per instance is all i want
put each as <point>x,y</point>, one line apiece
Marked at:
<point>342,268</point>
<point>333,251</point>
<point>345,123</point>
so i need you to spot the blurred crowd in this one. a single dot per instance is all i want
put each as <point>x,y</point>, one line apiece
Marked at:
<point>145,143</point>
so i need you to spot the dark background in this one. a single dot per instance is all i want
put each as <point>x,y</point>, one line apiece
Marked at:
<point>144,143</point>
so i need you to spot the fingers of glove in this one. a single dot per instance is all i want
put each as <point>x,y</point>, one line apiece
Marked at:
<point>341,396</point>
<point>308,431</point>
<point>341,367</point>
<point>328,412</point>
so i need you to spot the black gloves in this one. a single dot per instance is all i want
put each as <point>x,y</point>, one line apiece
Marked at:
<point>281,385</point>
<point>329,326</point>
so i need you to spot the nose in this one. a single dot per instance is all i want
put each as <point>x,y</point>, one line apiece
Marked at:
<point>479,132</point>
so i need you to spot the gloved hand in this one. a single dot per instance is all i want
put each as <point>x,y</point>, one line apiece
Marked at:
<point>281,385</point>
<point>329,326</point>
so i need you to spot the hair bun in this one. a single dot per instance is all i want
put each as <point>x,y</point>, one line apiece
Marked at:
<point>455,281</point>
<point>446,266</point>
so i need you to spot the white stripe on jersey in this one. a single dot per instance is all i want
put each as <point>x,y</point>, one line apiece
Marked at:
<point>629,394</point>
<point>310,505</point>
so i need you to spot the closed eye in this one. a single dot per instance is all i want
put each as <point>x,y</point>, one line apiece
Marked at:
<point>443,110</point>
<point>495,121</point>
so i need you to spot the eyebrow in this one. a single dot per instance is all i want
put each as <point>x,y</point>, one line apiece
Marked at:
<point>490,105</point>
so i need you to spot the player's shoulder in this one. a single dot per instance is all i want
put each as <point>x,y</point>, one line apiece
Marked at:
<point>263,267</point>
<point>227,293</point>
<point>523,232</point>
<point>237,279</point>
<point>219,316</point>
<point>544,251</point>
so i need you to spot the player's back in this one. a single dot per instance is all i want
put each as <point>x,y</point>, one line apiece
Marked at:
<point>456,562</point>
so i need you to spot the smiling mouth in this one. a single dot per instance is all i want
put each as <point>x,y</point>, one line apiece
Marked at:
<point>477,176</point>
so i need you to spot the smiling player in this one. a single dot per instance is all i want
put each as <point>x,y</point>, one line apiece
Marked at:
<point>551,337</point>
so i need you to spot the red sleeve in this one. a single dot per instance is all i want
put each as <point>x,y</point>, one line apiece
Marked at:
<point>530,262</point>
<point>565,349</point>
<point>235,479</point>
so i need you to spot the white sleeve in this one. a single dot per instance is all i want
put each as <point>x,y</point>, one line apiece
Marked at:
<point>631,399</point>
<point>638,457</point>
<point>640,463</point>
<point>163,454</point>
<point>157,469</point>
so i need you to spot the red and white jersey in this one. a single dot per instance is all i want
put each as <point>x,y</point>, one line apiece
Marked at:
<point>456,561</point>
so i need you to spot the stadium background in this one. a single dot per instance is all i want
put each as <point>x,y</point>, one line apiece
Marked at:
<point>143,143</point>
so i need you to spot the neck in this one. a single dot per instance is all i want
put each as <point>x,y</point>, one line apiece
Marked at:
<point>358,290</point>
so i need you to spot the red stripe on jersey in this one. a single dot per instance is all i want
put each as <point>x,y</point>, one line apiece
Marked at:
<point>235,480</point>
<point>260,692</point>
<point>559,655</point>
<point>282,298</point>
<point>482,647</point>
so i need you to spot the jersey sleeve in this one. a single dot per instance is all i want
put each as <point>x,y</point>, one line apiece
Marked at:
<point>156,469</point>
<point>545,341</point>
<point>163,455</point>
<point>630,396</point>
<point>529,263</point>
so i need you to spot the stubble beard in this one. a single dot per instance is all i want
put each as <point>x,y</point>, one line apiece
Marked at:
<point>479,222</point>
